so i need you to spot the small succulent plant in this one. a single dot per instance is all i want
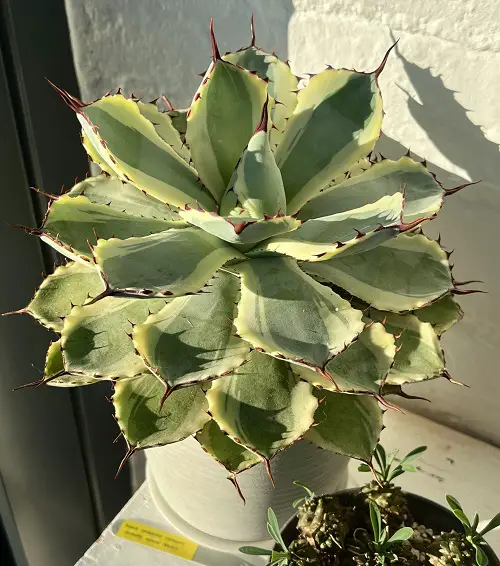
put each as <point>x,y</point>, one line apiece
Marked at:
<point>276,557</point>
<point>387,496</point>
<point>248,270</point>
<point>350,529</point>
<point>462,548</point>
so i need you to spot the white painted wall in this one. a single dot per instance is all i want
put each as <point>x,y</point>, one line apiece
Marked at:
<point>441,97</point>
<point>441,94</point>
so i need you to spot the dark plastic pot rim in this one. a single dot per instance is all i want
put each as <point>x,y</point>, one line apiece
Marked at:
<point>426,512</point>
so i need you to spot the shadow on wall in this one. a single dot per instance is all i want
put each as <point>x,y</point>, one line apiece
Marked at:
<point>161,48</point>
<point>468,218</point>
<point>448,125</point>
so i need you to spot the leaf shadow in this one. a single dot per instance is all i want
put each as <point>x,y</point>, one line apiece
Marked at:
<point>448,124</point>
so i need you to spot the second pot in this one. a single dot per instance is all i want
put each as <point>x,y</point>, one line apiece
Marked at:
<point>424,511</point>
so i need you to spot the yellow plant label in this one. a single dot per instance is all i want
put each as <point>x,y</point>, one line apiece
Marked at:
<point>156,538</point>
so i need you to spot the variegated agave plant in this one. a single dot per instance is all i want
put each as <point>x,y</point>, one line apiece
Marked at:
<point>232,280</point>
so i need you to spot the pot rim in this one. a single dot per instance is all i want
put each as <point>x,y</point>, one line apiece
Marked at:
<point>289,528</point>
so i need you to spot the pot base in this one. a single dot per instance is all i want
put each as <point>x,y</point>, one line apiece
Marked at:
<point>192,490</point>
<point>202,538</point>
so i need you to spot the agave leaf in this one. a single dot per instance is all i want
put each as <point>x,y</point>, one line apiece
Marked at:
<point>423,194</point>
<point>174,262</point>
<point>192,338</point>
<point>69,285</point>
<point>404,273</point>
<point>419,356</point>
<point>144,424</point>
<point>256,184</point>
<point>336,121</point>
<point>282,85</point>
<point>275,295</point>
<point>230,229</point>
<point>131,147</point>
<point>262,405</point>
<point>233,456</point>
<point>162,123</point>
<point>346,424</point>
<point>320,239</point>
<point>96,338</point>
<point>179,120</point>
<point>361,368</point>
<point>224,114</point>
<point>55,374</point>
<point>443,314</point>
<point>76,222</point>
<point>95,155</point>
<point>123,197</point>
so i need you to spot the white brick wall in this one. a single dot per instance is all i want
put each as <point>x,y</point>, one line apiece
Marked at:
<point>441,95</point>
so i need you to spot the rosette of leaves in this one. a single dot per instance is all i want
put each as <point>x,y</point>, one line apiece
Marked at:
<point>212,265</point>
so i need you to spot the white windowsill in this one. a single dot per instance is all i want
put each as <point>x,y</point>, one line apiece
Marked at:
<point>454,463</point>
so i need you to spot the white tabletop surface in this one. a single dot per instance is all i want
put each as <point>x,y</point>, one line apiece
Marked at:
<point>454,463</point>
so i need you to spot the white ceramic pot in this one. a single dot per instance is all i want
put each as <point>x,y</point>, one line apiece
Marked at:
<point>193,492</point>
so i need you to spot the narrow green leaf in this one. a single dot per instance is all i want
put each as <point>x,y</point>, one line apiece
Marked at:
<point>233,456</point>
<point>493,524</point>
<point>77,222</point>
<point>321,239</point>
<point>137,404</point>
<point>174,262</point>
<point>192,338</point>
<point>224,114</point>
<point>274,291</point>
<point>404,273</point>
<point>347,424</point>
<point>274,529</point>
<point>475,523</point>
<point>69,285</point>
<point>376,521</point>
<point>304,486</point>
<point>281,86</point>
<point>262,405</point>
<point>123,197</point>
<point>381,456</point>
<point>453,503</point>
<point>96,339</point>
<point>255,551</point>
<point>412,455</point>
<point>336,121</point>
<point>462,517</point>
<point>402,534</point>
<point>481,557</point>
<point>364,468</point>
<point>423,194</point>
<point>132,148</point>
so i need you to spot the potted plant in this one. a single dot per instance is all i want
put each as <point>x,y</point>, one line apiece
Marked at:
<point>251,277</point>
<point>379,524</point>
